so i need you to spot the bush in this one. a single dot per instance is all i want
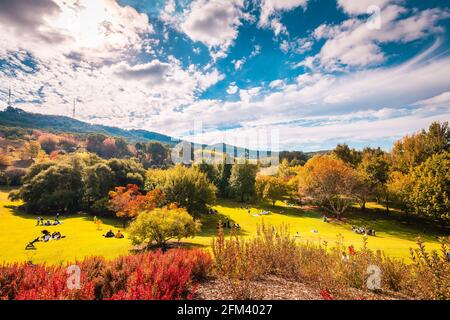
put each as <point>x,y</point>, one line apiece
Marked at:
<point>48,142</point>
<point>334,270</point>
<point>147,276</point>
<point>14,176</point>
<point>163,224</point>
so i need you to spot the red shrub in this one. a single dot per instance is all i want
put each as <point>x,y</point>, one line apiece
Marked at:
<point>153,275</point>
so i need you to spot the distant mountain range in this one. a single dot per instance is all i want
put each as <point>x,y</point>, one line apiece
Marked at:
<point>19,118</point>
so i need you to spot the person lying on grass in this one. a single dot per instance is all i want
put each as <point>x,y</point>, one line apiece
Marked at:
<point>30,244</point>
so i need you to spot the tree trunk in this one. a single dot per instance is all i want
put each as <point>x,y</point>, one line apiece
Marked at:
<point>363,205</point>
<point>387,202</point>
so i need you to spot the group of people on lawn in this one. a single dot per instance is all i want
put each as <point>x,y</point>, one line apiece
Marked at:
<point>228,224</point>
<point>110,234</point>
<point>40,221</point>
<point>363,230</point>
<point>48,236</point>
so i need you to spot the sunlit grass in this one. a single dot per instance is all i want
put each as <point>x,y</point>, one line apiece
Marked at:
<point>84,239</point>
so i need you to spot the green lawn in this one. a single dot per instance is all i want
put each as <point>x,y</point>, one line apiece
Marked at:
<point>83,238</point>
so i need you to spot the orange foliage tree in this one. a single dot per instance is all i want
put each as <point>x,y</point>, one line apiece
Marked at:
<point>330,181</point>
<point>127,202</point>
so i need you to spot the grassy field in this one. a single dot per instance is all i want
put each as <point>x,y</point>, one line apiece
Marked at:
<point>85,239</point>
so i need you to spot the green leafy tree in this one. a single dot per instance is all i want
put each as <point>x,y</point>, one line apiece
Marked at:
<point>374,171</point>
<point>430,188</point>
<point>349,156</point>
<point>270,188</point>
<point>152,154</point>
<point>127,172</point>
<point>59,187</point>
<point>224,174</point>
<point>99,180</point>
<point>242,179</point>
<point>161,225</point>
<point>186,187</point>
<point>210,170</point>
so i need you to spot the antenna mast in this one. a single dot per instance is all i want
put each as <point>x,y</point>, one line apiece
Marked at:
<point>73,109</point>
<point>9,97</point>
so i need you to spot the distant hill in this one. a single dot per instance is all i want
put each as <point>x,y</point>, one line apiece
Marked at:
<point>20,118</point>
<point>16,117</point>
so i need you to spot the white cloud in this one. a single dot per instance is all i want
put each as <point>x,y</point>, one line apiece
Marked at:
<point>361,6</point>
<point>275,84</point>
<point>378,104</point>
<point>96,63</point>
<point>239,63</point>
<point>214,23</point>
<point>232,88</point>
<point>93,31</point>
<point>167,14</point>
<point>352,43</point>
<point>270,9</point>
<point>298,46</point>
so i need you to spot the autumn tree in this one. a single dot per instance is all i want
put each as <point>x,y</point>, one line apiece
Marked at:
<point>161,225</point>
<point>413,150</point>
<point>30,150</point>
<point>128,202</point>
<point>48,142</point>
<point>5,159</point>
<point>330,181</point>
<point>270,188</point>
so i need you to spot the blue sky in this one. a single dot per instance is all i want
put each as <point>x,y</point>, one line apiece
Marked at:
<point>311,73</point>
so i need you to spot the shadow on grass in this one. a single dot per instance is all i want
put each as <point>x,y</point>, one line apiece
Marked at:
<point>210,225</point>
<point>395,224</point>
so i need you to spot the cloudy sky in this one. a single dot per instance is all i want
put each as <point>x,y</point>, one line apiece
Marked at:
<point>317,72</point>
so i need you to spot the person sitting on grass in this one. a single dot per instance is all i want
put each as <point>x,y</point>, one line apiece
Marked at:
<point>325,219</point>
<point>47,237</point>
<point>119,235</point>
<point>47,223</point>
<point>57,235</point>
<point>109,234</point>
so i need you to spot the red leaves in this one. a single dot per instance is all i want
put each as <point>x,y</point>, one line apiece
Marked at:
<point>152,275</point>
<point>129,202</point>
<point>326,295</point>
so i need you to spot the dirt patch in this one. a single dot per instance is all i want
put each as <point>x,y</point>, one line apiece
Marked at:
<point>275,288</point>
